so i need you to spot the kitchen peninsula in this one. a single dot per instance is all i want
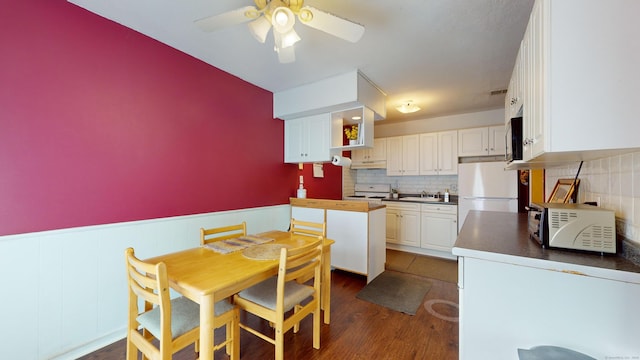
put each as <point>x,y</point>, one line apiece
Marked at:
<point>357,227</point>
<point>516,295</point>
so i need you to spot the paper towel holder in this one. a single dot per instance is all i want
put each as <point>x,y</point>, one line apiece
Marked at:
<point>341,161</point>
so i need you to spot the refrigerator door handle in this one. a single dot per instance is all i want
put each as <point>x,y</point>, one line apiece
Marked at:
<point>487,198</point>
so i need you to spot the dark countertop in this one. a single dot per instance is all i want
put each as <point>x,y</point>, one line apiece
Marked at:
<point>501,235</point>
<point>453,200</point>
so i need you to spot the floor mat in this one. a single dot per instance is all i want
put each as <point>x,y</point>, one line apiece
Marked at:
<point>396,291</point>
<point>422,265</point>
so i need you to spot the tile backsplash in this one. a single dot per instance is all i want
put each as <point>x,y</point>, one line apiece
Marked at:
<point>409,184</point>
<point>613,182</point>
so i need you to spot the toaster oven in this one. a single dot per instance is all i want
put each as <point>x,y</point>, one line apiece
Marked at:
<point>573,226</point>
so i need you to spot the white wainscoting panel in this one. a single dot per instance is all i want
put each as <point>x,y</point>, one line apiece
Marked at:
<point>64,292</point>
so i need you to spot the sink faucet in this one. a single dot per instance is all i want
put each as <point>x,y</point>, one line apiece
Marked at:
<point>423,193</point>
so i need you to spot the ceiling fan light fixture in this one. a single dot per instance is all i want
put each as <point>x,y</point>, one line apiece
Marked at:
<point>408,107</point>
<point>283,19</point>
<point>259,28</point>
<point>288,39</point>
<point>286,55</point>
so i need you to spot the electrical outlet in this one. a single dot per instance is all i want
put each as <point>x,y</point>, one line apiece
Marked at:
<point>454,188</point>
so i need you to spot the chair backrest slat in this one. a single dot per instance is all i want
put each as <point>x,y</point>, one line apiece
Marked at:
<point>222,233</point>
<point>308,228</point>
<point>300,262</point>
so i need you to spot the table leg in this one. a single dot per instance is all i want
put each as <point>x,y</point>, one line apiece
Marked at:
<point>325,296</point>
<point>206,327</point>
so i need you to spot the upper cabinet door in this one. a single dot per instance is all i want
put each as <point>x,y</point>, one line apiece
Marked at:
<point>429,154</point>
<point>473,142</point>
<point>307,139</point>
<point>295,148</point>
<point>411,155</point>
<point>448,153</point>
<point>379,151</point>
<point>394,156</point>
<point>497,140</point>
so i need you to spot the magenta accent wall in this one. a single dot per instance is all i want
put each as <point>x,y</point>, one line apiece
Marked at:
<point>100,124</point>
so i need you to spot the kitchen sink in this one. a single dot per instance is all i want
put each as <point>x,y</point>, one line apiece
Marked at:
<point>423,199</point>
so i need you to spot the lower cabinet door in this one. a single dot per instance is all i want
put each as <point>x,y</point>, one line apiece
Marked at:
<point>438,232</point>
<point>410,228</point>
<point>392,226</point>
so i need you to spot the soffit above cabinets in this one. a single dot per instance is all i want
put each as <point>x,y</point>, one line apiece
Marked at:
<point>334,94</point>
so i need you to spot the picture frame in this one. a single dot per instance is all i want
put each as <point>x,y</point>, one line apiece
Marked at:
<point>565,191</point>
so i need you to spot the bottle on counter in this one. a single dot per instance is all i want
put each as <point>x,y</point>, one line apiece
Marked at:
<point>446,195</point>
<point>302,192</point>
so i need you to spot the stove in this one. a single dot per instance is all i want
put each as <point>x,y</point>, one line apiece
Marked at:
<point>370,192</point>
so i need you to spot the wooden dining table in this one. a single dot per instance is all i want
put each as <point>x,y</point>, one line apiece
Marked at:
<point>206,276</point>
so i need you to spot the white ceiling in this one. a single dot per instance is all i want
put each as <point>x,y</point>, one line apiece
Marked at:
<point>446,55</point>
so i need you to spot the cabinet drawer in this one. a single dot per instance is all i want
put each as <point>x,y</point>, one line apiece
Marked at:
<point>440,209</point>
<point>393,205</point>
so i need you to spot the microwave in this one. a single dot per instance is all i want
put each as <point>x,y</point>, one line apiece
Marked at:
<point>573,226</point>
<point>513,139</point>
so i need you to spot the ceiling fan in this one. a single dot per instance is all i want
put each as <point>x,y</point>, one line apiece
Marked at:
<point>281,14</point>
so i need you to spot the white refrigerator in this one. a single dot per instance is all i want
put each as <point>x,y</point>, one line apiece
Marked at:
<point>486,186</point>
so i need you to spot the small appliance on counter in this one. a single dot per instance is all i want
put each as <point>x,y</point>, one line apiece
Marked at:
<point>573,226</point>
<point>370,192</point>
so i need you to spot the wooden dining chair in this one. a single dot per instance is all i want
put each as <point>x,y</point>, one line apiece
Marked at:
<point>222,233</point>
<point>316,229</point>
<point>271,299</point>
<point>308,228</point>
<point>174,323</point>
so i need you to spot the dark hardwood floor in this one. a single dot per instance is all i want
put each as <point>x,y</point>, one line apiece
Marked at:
<point>358,330</point>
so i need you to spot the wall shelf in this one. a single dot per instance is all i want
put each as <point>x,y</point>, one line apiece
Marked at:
<point>361,116</point>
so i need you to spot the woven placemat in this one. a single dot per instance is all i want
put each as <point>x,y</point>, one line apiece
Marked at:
<point>235,244</point>
<point>264,251</point>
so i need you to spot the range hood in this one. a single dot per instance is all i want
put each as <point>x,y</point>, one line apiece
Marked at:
<point>380,164</point>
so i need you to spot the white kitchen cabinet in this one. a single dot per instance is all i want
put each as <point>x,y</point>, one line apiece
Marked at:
<point>403,155</point>
<point>403,223</point>
<point>428,229</point>
<point>370,158</point>
<point>482,141</point>
<point>353,249</point>
<point>439,153</point>
<point>532,60</point>
<point>514,97</point>
<point>439,227</point>
<point>578,84</point>
<point>515,294</point>
<point>360,245</point>
<point>308,139</point>
<point>502,310</point>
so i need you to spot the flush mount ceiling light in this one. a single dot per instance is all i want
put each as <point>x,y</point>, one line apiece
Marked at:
<point>408,107</point>
<point>281,15</point>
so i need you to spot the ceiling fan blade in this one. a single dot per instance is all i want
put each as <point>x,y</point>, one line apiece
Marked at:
<point>331,24</point>
<point>229,18</point>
